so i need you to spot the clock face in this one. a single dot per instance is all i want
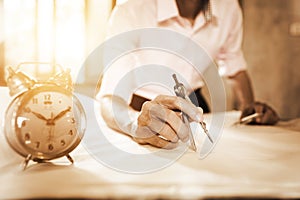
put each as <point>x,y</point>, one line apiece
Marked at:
<point>48,122</point>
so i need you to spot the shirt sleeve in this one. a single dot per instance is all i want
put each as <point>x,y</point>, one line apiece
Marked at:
<point>117,59</point>
<point>231,58</point>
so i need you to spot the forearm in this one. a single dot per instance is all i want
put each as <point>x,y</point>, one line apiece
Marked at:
<point>242,88</point>
<point>117,114</point>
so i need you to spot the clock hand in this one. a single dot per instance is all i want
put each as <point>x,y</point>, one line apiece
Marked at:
<point>38,115</point>
<point>62,113</point>
<point>50,121</point>
<point>51,133</point>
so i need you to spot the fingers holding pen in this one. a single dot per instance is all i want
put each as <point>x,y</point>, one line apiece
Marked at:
<point>160,124</point>
<point>178,103</point>
<point>144,135</point>
<point>267,115</point>
<point>163,122</point>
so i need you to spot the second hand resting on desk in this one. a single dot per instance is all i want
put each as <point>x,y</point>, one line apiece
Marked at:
<point>180,91</point>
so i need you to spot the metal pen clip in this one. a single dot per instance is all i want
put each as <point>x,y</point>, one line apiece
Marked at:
<point>180,91</point>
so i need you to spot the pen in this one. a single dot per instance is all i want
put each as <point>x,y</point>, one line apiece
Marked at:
<point>248,118</point>
<point>181,92</point>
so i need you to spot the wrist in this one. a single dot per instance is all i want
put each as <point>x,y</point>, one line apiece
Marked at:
<point>131,126</point>
<point>245,105</point>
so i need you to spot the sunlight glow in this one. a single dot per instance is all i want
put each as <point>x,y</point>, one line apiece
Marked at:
<point>45,31</point>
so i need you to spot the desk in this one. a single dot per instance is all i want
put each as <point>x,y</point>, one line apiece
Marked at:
<point>248,161</point>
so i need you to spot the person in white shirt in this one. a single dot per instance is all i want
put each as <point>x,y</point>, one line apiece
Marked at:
<point>214,25</point>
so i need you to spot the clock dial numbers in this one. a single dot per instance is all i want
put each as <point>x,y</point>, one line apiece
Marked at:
<point>50,147</point>
<point>62,142</point>
<point>72,120</point>
<point>27,138</point>
<point>51,118</point>
<point>71,132</point>
<point>47,99</point>
<point>35,100</point>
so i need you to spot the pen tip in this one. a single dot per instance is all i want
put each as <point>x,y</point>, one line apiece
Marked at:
<point>211,140</point>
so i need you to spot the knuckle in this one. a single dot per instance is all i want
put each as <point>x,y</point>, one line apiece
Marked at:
<point>143,119</point>
<point>200,110</point>
<point>158,98</point>
<point>139,140</point>
<point>159,127</point>
<point>183,131</point>
<point>172,116</point>
<point>174,138</point>
<point>177,102</point>
<point>161,98</point>
<point>147,105</point>
<point>165,99</point>
<point>150,108</point>
<point>168,132</point>
<point>143,133</point>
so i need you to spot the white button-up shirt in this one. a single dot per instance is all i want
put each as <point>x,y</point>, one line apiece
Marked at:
<point>220,40</point>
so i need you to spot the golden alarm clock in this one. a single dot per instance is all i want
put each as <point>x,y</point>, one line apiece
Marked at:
<point>45,120</point>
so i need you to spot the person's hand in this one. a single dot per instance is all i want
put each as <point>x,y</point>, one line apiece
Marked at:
<point>267,115</point>
<point>159,122</point>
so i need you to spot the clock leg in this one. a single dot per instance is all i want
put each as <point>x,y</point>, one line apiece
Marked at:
<point>26,161</point>
<point>70,158</point>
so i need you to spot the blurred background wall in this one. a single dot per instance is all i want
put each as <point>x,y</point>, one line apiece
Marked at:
<point>272,50</point>
<point>66,31</point>
<point>1,44</point>
<point>54,31</point>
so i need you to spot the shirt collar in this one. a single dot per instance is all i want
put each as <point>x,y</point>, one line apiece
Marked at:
<point>214,9</point>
